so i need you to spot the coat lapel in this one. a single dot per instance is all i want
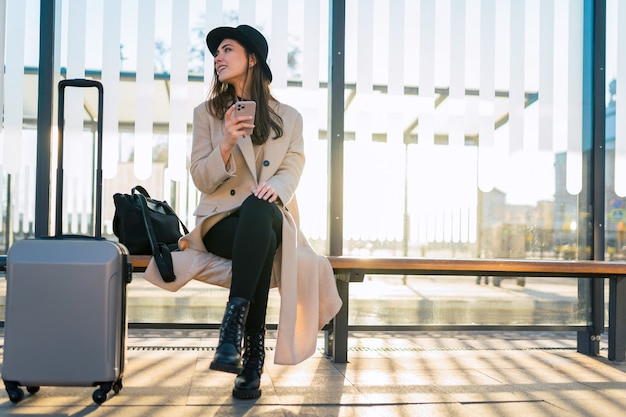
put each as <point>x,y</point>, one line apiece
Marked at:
<point>247,150</point>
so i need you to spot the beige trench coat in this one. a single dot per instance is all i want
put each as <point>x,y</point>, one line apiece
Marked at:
<point>305,280</point>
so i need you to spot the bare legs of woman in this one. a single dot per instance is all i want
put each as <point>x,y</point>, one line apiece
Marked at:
<point>249,238</point>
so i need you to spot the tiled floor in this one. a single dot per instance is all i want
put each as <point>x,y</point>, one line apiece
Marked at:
<point>411,374</point>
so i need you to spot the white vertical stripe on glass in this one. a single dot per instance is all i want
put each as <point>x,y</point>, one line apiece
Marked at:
<point>456,100</point>
<point>364,75</point>
<point>559,138</point>
<point>472,54</point>
<point>395,79</point>
<point>311,53</point>
<point>574,158</point>
<point>463,227</point>
<point>247,12</point>
<point>531,74</point>
<point>442,43</point>
<point>77,16</point>
<point>77,181</point>
<point>516,80</point>
<point>112,16</point>
<point>365,41</point>
<point>324,44</point>
<point>396,47</point>
<point>455,225</point>
<point>431,225</point>
<point>213,18</point>
<point>419,209</point>
<point>487,96</point>
<point>410,40</point>
<point>94,33</point>
<point>620,104</point>
<point>351,52</point>
<point>547,47</point>
<point>473,224</point>
<point>440,221</point>
<point>144,89</point>
<point>177,144</point>
<point>279,45</point>
<point>14,85</point>
<point>426,126</point>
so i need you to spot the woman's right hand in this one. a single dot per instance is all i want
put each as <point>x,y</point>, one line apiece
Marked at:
<point>234,127</point>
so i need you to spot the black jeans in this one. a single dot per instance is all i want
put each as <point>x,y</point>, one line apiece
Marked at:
<point>249,238</point>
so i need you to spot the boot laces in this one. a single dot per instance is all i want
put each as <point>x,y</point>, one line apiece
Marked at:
<point>231,331</point>
<point>254,353</point>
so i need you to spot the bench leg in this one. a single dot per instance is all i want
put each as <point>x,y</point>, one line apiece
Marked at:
<point>336,339</point>
<point>617,319</point>
<point>592,293</point>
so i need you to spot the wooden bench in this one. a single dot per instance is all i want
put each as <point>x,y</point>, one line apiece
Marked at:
<point>354,269</point>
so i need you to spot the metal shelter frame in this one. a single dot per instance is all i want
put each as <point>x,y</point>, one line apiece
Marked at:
<point>591,207</point>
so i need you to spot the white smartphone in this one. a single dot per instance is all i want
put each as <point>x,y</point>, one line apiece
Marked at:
<point>246,108</point>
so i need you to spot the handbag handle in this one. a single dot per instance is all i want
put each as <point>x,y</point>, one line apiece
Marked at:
<point>141,190</point>
<point>160,252</point>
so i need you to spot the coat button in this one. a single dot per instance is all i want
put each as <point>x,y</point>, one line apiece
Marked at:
<point>232,192</point>
<point>266,163</point>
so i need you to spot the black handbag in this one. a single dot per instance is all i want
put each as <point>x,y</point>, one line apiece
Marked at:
<point>148,227</point>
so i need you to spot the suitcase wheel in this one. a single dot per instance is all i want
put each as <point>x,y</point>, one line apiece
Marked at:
<point>32,390</point>
<point>100,395</point>
<point>16,394</point>
<point>117,386</point>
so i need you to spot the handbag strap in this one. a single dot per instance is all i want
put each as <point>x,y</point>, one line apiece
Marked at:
<point>173,213</point>
<point>160,252</point>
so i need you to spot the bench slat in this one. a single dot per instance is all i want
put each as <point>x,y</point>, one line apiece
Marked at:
<point>423,266</point>
<point>140,262</point>
<point>513,267</point>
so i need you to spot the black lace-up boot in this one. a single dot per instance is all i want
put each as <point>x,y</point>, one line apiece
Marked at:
<point>228,354</point>
<point>248,382</point>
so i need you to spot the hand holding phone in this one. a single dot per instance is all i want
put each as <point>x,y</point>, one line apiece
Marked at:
<point>246,108</point>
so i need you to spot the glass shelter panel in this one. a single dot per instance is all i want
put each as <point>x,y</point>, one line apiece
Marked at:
<point>615,132</point>
<point>615,128</point>
<point>463,138</point>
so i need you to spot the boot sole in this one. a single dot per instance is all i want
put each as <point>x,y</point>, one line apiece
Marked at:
<point>246,394</point>
<point>224,367</point>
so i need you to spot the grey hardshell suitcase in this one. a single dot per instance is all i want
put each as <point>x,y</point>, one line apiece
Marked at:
<point>65,321</point>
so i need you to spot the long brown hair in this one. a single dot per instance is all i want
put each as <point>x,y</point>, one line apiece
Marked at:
<point>223,95</point>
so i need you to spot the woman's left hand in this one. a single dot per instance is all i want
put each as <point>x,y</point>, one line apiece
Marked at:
<point>264,191</point>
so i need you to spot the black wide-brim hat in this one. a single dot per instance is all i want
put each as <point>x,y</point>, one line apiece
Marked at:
<point>246,35</point>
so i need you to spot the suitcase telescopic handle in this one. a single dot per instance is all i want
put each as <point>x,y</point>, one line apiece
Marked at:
<point>81,83</point>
